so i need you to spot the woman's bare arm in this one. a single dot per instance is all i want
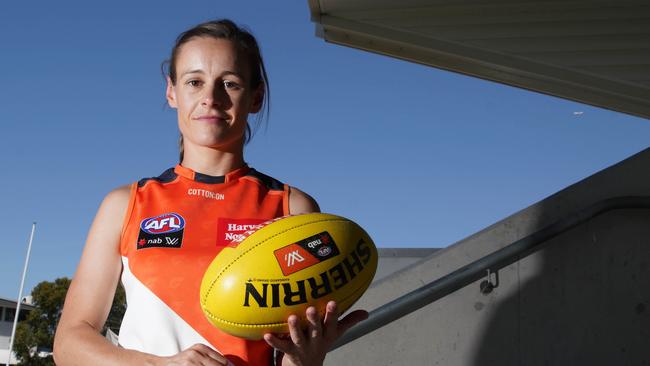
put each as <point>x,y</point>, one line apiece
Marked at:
<point>78,340</point>
<point>300,202</point>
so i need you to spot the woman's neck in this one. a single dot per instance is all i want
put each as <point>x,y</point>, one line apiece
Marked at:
<point>211,161</point>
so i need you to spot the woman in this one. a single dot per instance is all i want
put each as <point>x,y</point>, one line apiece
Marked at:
<point>159,234</point>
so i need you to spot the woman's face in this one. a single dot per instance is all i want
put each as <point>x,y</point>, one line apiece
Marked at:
<point>212,94</point>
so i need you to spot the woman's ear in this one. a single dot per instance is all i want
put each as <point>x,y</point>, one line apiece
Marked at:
<point>258,99</point>
<point>171,93</point>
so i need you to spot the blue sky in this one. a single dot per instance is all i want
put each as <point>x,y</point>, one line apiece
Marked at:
<point>419,157</point>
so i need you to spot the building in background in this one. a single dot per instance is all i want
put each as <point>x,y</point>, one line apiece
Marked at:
<point>7,315</point>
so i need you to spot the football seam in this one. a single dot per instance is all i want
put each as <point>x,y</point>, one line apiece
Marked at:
<point>207,294</point>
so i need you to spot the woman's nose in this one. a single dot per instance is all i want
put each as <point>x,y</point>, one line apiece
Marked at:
<point>215,96</point>
<point>208,101</point>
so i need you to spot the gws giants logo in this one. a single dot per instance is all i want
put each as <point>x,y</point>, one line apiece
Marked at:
<point>292,258</point>
<point>163,231</point>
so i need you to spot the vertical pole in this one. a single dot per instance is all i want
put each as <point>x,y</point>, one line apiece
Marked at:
<point>20,293</point>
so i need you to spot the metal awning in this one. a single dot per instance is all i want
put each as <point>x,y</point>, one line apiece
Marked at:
<point>594,52</point>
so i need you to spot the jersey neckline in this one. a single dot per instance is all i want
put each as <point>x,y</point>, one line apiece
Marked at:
<point>210,179</point>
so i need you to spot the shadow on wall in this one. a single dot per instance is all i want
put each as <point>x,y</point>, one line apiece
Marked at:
<point>583,299</point>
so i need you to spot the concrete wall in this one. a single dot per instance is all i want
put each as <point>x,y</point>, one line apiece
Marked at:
<point>392,260</point>
<point>583,299</point>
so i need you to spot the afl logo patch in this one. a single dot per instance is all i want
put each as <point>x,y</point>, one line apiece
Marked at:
<point>162,231</point>
<point>165,223</point>
<point>324,251</point>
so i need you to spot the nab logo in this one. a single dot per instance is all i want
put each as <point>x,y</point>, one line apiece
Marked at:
<point>292,257</point>
<point>163,231</point>
<point>165,223</point>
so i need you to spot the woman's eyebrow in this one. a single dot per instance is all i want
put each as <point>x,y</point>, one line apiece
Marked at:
<point>199,71</point>
<point>233,74</point>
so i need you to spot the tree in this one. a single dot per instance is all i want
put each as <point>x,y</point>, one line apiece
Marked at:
<point>36,332</point>
<point>116,314</point>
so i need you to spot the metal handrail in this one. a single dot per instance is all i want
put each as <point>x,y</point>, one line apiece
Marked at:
<point>476,270</point>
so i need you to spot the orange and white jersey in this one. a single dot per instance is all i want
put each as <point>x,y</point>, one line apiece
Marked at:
<point>175,225</point>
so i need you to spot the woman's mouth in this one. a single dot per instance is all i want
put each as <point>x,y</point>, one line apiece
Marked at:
<point>210,118</point>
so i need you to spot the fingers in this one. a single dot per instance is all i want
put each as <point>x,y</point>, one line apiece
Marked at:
<point>284,345</point>
<point>296,333</point>
<point>331,320</point>
<point>313,319</point>
<point>208,356</point>
<point>287,343</point>
<point>297,336</point>
<point>319,330</point>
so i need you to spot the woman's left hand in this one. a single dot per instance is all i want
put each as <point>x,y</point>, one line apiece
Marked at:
<point>309,347</point>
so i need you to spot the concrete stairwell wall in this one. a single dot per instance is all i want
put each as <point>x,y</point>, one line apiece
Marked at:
<point>584,299</point>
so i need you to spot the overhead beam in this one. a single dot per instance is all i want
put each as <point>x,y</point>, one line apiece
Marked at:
<point>563,82</point>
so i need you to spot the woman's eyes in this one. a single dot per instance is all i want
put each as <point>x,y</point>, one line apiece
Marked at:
<point>230,84</point>
<point>226,83</point>
<point>195,83</point>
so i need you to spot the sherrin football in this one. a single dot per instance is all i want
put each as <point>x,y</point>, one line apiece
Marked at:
<point>282,268</point>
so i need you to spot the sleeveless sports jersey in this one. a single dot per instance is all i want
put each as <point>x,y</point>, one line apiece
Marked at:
<point>175,225</point>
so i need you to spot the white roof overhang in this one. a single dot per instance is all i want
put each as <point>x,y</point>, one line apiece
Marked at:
<point>594,52</point>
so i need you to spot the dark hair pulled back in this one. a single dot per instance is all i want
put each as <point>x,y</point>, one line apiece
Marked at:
<point>245,42</point>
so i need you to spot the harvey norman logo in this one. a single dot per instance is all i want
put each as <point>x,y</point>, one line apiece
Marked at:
<point>230,232</point>
<point>205,193</point>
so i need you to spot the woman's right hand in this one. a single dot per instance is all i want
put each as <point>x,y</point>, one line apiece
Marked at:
<point>198,354</point>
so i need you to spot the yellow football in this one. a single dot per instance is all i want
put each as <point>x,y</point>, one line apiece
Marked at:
<point>282,268</point>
